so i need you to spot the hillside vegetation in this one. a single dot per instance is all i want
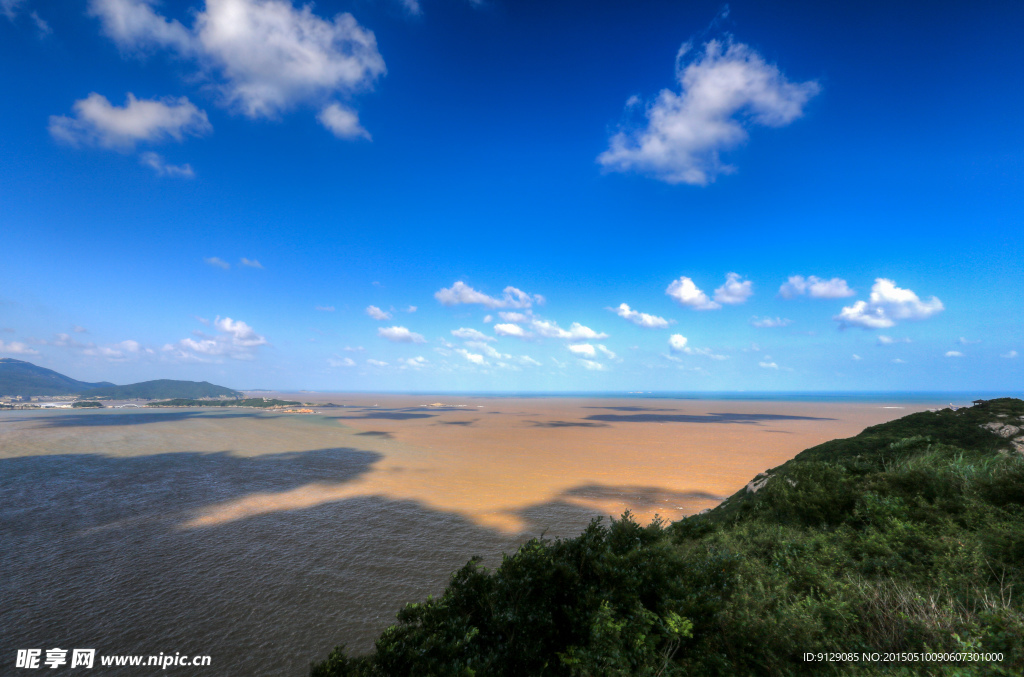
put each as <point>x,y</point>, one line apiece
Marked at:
<point>257,402</point>
<point>908,538</point>
<point>162,389</point>
<point>20,378</point>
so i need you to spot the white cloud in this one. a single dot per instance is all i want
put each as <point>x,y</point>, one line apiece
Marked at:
<point>342,122</point>
<point>400,335</point>
<point>723,90</point>
<point>1010,355</point>
<point>156,162</point>
<point>377,314</point>
<point>488,319</point>
<point>471,334</point>
<point>376,363</point>
<point>217,262</point>
<point>767,365</point>
<point>411,309</point>
<point>528,361</point>
<point>954,353</point>
<point>415,362</point>
<point>513,316</point>
<point>99,123</point>
<point>509,330</point>
<point>270,55</point>
<point>815,287</point>
<point>857,357</point>
<point>235,339</point>
<point>342,362</point>
<point>769,322</point>
<point>356,349</point>
<point>488,350</point>
<point>460,292</point>
<point>735,290</point>
<point>475,358</point>
<point>575,332</point>
<point>888,340</point>
<point>251,263</point>
<point>9,8</point>
<point>607,353</point>
<point>898,361</point>
<point>591,365</point>
<point>640,319</point>
<point>686,293</point>
<point>328,309</point>
<point>677,343</point>
<point>887,304</point>
<point>16,348</point>
<point>583,349</point>
<point>115,353</point>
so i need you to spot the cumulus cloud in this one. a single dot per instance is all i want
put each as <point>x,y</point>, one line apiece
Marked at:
<point>400,335</point>
<point>767,365</point>
<point>509,330</point>
<point>888,340</point>
<point>725,89</point>
<point>414,362</point>
<point>411,309</point>
<point>156,162</point>
<point>512,316</point>
<point>1010,355</point>
<point>591,365</point>
<point>117,352</point>
<point>769,322</point>
<point>583,349</point>
<point>460,293</point>
<point>815,287</point>
<point>487,350</point>
<point>97,122</point>
<point>677,343</point>
<point>342,122</point>
<point>376,363</point>
<point>954,353</point>
<point>640,319</point>
<point>475,358</point>
<point>575,332</point>
<point>269,55</point>
<point>251,263</point>
<point>885,306</point>
<point>341,362</point>
<point>607,353</point>
<point>235,339</point>
<point>377,314</point>
<point>217,262</point>
<point>735,290</point>
<point>16,348</point>
<point>686,293</point>
<point>471,334</point>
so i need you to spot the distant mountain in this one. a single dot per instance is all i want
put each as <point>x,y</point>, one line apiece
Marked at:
<point>24,378</point>
<point>162,389</point>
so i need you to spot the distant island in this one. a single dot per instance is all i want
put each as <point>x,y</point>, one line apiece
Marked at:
<point>896,552</point>
<point>257,402</point>
<point>24,379</point>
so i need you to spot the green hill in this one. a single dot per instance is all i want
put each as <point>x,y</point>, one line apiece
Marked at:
<point>163,389</point>
<point>24,378</point>
<point>896,552</point>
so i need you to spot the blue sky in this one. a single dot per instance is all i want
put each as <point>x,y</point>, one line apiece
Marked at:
<point>795,197</point>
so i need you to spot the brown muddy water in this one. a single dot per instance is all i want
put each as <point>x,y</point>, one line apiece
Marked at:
<point>265,539</point>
